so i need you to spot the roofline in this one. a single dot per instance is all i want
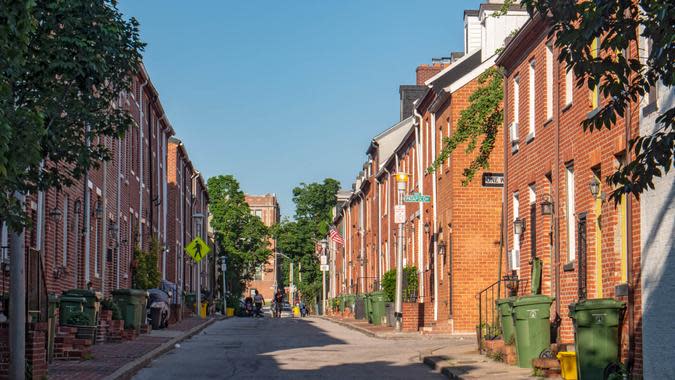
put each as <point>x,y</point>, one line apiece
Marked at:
<point>454,64</point>
<point>530,27</point>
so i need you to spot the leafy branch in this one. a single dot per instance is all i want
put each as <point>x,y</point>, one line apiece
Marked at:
<point>481,119</point>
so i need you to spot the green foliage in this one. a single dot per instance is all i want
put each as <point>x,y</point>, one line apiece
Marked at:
<point>297,239</point>
<point>480,120</point>
<point>79,318</point>
<point>621,78</point>
<point>108,304</point>
<point>240,236</point>
<point>410,281</point>
<point>389,284</point>
<point>62,65</point>
<point>146,273</point>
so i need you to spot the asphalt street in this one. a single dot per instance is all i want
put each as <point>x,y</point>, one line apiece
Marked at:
<point>290,348</point>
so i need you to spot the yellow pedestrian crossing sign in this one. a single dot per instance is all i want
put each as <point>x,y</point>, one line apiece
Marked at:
<point>197,249</point>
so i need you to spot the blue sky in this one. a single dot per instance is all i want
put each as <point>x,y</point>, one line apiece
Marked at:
<point>282,92</point>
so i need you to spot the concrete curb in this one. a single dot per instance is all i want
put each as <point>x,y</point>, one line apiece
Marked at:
<point>130,369</point>
<point>436,363</point>
<point>352,327</point>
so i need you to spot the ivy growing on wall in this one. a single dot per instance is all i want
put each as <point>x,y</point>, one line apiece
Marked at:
<point>478,125</point>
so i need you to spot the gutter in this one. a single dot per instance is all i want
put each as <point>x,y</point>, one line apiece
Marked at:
<point>140,162</point>
<point>420,186</point>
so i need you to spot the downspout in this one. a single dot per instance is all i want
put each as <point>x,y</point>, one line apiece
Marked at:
<point>349,262</point>
<point>556,208</point>
<point>151,170</point>
<point>629,254</point>
<point>87,216</point>
<point>420,185</point>
<point>140,163</point>
<point>362,248</point>
<point>104,233</point>
<point>388,250</point>
<point>119,225</point>
<point>435,221</point>
<point>379,233</point>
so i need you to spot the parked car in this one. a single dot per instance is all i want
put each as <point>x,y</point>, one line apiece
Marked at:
<point>158,309</point>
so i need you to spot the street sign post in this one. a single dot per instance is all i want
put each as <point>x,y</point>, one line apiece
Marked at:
<point>417,197</point>
<point>324,267</point>
<point>197,249</point>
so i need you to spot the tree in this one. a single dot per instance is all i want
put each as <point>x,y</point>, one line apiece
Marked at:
<point>620,77</point>
<point>63,65</point>
<point>241,236</point>
<point>481,119</point>
<point>297,239</point>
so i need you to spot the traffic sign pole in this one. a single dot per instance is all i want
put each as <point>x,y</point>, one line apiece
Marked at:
<point>401,181</point>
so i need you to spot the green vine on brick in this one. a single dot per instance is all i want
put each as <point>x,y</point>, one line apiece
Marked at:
<point>480,120</point>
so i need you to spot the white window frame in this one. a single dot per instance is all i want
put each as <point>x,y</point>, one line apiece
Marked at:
<point>516,99</point>
<point>549,81</point>
<point>64,254</point>
<point>532,98</point>
<point>515,253</point>
<point>569,85</point>
<point>571,220</point>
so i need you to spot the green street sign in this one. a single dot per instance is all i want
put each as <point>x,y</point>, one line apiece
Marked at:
<point>417,197</point>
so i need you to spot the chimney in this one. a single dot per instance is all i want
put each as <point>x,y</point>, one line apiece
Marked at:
<point>424,72</point>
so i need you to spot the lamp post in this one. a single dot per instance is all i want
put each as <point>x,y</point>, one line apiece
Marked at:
<point>198,216</point>
<point>324,249</point>
<point>401,182</point>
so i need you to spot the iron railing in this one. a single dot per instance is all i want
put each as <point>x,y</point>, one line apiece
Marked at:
<point>489,325</point>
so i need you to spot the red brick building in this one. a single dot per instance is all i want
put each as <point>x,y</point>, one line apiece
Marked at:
<point>589,247</point>
<point>266,207</point>
<point>85,235</point>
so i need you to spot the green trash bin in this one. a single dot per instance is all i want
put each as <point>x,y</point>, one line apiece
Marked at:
<point>377,304</point>
<point>191,301</point>
<point>69,305</point>
<point>368,307</point>
<point>533,328</point>
<point>92,304</point>
<point>132,305</point>
<point>505,307</point>
<point>596,335</point>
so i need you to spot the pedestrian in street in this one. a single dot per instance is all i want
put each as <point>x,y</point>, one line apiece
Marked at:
<point>278,303</point>
<point>259,301</point>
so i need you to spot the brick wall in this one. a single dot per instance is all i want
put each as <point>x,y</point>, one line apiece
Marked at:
<point>425,72</point>
<point>543,162</point>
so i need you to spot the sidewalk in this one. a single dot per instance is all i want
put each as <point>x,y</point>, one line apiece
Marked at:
<point>458,360</point>
<point>122,360</point>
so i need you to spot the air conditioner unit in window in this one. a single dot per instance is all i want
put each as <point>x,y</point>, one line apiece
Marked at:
<point>513,132</point>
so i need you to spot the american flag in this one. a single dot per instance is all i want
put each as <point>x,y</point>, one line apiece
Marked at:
<point>336,237</point>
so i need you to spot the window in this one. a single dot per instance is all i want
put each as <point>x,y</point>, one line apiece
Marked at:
<point>4,243</point>
<point>549,80</point>
<point>569,85</point>
<point>595,93</point>
<point>622,226</point>
<point>571,236</point>
<point>449,131</point>
<point>531,98</point>
<point>533,219</point>
<point>516,99</point>
<point>64,254</point>
<point>515,253</point>
<point>598,234</point>
<point>257,212</point>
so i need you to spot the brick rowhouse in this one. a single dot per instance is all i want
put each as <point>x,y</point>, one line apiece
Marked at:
<point>589,246</point>
<point>265,207</point>
<point>85,235</point>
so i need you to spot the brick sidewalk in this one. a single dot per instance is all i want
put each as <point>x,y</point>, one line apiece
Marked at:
<point>108,357</point>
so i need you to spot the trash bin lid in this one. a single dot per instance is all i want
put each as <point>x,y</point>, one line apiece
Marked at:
<point>533,300</point>
<point>73,299</point>
<point>502,301</point>
<point>81,293</point>
<point>599,303</point>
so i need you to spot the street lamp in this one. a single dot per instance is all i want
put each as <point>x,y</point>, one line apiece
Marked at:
<point>546,204</point>
<point>595,188</point>
<point>401,183</point>
<point>99,210</point>
<point>518,226</point>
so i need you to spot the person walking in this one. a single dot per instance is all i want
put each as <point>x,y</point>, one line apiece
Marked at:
<point>278,303</point>
<point>259,301</point>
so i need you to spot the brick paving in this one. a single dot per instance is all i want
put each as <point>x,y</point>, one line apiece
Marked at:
<point>107,358</point>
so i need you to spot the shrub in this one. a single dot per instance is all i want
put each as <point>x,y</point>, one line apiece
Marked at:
<point>79,319</point>
<point>410,283</point>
